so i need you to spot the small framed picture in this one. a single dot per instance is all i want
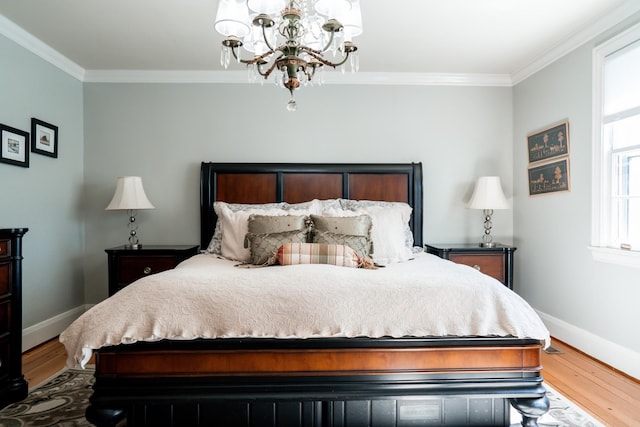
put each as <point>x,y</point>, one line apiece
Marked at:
<point>44,138</point>
<point>549,177</point>
<point>548,143</point>
<point>15,146</point>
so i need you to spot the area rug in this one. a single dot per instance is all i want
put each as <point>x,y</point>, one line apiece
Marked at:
<point>62,400</point>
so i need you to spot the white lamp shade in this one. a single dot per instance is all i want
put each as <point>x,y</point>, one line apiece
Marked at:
<point>332,8</point>
<point>129,195</point>
<point>266,6</point>
<point>232,18</point>
<point>488,194</point>
<point>352,21</point>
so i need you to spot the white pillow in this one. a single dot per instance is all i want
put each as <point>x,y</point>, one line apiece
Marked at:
<point>388,232</point>
<point>354,205</point>
<point>235,226</point>
<point>215,245</point>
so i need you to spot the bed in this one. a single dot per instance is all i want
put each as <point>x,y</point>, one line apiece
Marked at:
<point>312,374</point>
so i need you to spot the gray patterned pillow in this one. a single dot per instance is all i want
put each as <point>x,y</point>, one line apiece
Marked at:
<point>261,224</point>
<point>359,225</point>
<point>360,244</point>
<point>264,246</point>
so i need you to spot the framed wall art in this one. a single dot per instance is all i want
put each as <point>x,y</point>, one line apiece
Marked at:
<point>14,148</point>
<point>549,177</point>
<point>44,138</point>
<point>549,142</point>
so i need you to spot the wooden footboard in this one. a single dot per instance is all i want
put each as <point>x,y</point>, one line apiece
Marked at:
<point>319,382</point>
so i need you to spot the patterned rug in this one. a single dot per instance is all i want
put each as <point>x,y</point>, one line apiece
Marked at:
<point>61,402</point>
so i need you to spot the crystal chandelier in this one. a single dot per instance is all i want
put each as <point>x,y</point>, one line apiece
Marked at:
<point>289,39</point>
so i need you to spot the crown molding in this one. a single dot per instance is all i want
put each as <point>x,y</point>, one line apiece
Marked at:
<point>42,50</point>
<point>578,39</point>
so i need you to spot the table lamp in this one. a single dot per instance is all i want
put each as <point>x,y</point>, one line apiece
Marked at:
<point>488,196</point>
<point>130,196</point>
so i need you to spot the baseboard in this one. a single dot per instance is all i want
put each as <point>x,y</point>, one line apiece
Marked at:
<point>50,328</point>
<point>614,355</point>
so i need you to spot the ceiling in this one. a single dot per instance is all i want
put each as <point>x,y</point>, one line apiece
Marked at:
<point>498,37</point>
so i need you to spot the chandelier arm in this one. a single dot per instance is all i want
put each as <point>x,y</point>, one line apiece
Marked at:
<point>317,55</point>
<point>267,73</point>
<point>266,40</point>
<point>324,49</point>
<point>240,60</point>
<point>260,59</point>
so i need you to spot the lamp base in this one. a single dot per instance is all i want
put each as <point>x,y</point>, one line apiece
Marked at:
<point>488,244</point>
<point>133,246</point>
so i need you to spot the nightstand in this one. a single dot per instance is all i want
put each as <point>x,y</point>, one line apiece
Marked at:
<point>128,265</point>
<point>496,262</point>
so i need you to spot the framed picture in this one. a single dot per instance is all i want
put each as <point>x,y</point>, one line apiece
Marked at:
<point>44,138</point>
<point>548,143</point>
<point>549,177</point>
<point>15,146</point>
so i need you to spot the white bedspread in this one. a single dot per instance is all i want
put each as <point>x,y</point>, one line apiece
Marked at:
<point>207,297</point>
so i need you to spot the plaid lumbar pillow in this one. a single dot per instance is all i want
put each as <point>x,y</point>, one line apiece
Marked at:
<point>321,253</point>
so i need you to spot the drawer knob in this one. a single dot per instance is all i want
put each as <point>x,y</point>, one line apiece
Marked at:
<point>147,270</point>
<point>477,267</point>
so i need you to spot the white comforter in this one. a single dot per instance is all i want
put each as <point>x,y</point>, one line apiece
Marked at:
<point>208,297</point>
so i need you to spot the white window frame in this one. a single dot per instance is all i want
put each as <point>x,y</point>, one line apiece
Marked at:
<point>601,165</point>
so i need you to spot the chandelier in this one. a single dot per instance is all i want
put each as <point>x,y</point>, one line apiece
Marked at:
<point>290,40</point>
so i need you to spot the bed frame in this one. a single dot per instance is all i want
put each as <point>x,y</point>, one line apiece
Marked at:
<point>328,382</point>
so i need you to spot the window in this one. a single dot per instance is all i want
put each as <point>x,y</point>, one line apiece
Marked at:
<point>616,195</point>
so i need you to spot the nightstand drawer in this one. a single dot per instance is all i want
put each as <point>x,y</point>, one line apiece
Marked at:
<point>5,248</point>
<point>5,278</point>
<point>495,261</point>
<point>127,265</point>
<point>489,264</point>
<point>133,268</point>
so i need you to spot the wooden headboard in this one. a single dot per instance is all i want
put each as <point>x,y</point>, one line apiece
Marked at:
<point>300,182</point>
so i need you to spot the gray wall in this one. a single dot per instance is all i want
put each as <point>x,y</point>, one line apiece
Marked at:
<point>163,131</point>
<point>47,196</point>
<point>591,304</point>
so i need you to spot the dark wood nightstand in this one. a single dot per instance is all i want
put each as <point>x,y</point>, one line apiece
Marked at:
<point>496,262</point>
<point>128,265</point>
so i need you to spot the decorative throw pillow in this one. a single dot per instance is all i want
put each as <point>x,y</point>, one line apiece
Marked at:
<point>359,225</point>
<point>260,224</point>
<point>317,253</point>
<point>265,246</point>
<point>361,244</point>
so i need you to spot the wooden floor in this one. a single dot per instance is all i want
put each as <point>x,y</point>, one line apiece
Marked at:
<point>610,397</point>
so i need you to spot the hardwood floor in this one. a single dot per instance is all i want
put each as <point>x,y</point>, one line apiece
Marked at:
<point>609,396</point>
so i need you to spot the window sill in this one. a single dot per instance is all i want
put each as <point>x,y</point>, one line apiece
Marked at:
<point>616,256</point>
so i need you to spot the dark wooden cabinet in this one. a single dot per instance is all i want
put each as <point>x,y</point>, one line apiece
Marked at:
<point>496,262</point>
<point>128,265</point>
<point>13,386</point>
